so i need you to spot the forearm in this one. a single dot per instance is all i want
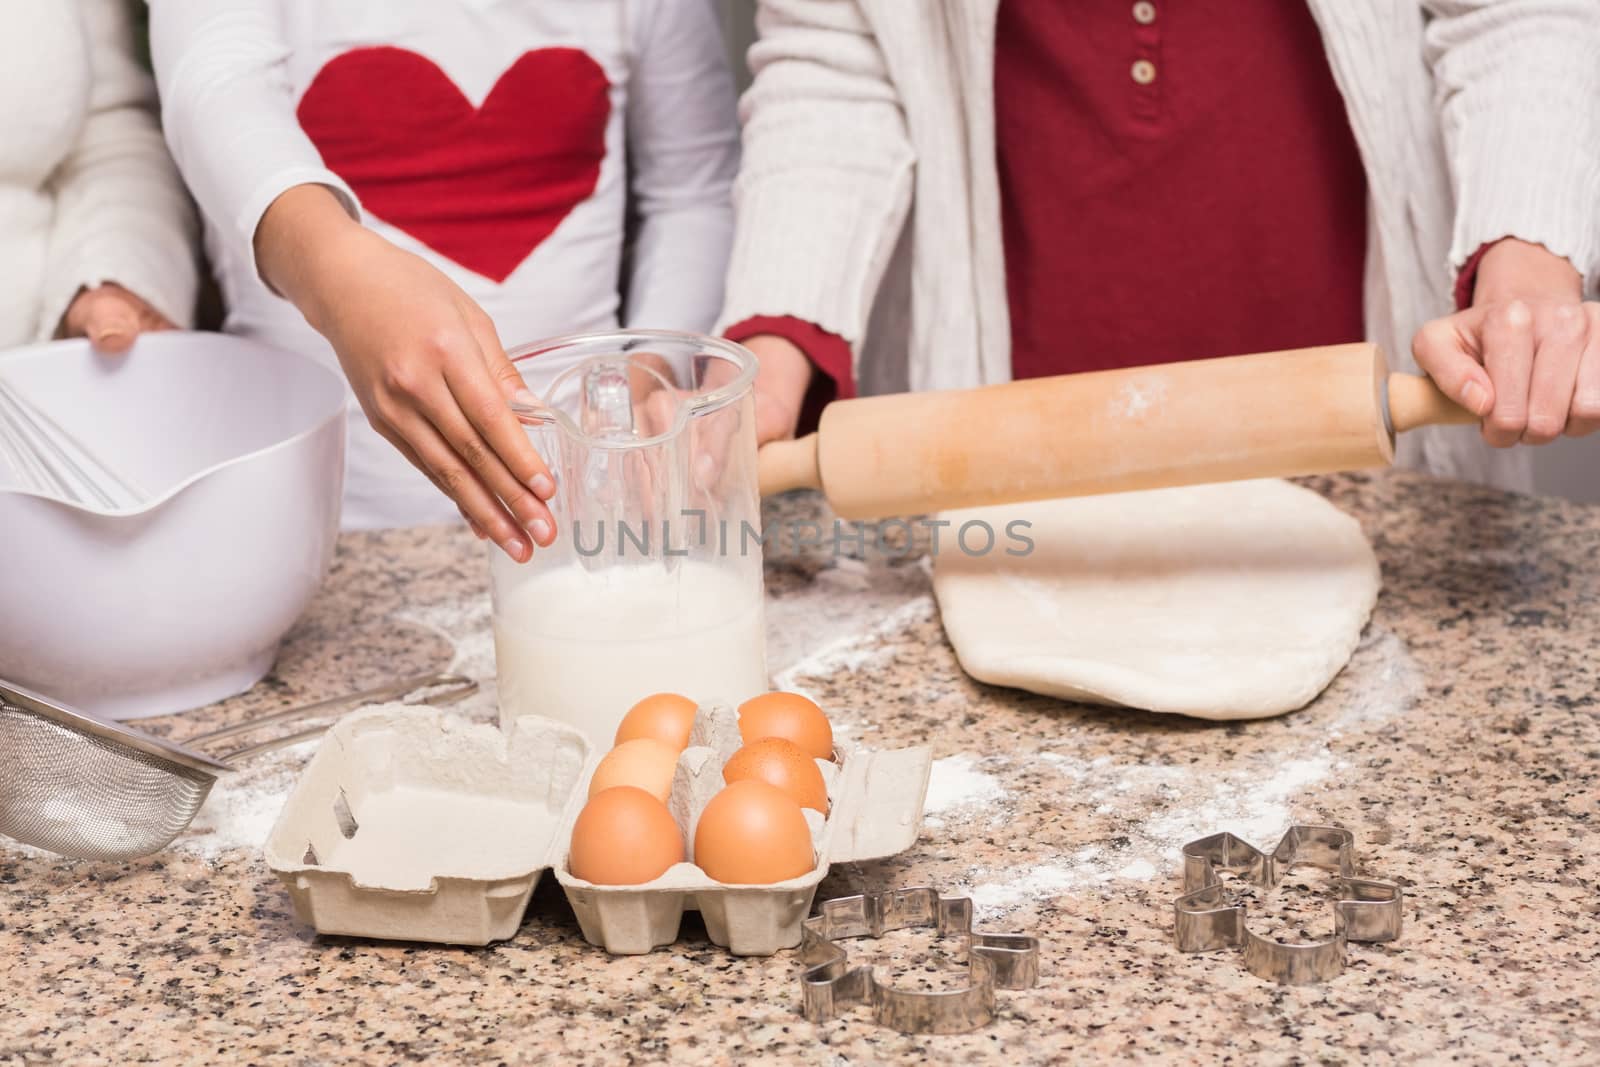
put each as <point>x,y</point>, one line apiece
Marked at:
<point>121,214</point>
<point>305,240</point>
<point>1515,84</point>
<point>826,181</point>
<point>228,109</point>
<point>121,217</point>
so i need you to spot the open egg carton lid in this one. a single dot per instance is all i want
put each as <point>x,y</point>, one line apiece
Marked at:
<point>419,825</point>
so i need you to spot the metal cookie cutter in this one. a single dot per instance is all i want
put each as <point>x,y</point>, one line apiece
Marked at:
<point>1205,918</point>
<point>830,985</point>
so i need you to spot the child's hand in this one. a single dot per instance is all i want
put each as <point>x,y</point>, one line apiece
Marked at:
<point>781,384</point>
<point>1526,356</point>
<point>110,317</point>
<point>782,377</point>
<point>423,359</point>
<point>430,373</point>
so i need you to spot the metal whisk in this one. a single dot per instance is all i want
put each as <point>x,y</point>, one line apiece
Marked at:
<point>52,461</point>
<point>91,788</point>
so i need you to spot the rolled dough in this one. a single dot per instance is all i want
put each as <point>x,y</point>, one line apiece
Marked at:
<point>1231,601</point>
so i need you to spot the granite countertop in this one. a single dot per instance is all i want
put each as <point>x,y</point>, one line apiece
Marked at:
<point>1462,744</point>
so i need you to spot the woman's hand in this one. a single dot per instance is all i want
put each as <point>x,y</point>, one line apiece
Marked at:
<point>1526,356</point>
<point>423,359</point>
<point>110,317</point>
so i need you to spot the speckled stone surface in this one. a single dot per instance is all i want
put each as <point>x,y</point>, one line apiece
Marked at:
<point>1462,744</point>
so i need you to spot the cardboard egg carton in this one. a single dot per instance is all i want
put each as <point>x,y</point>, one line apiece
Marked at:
<point>418,825</point>
<point>414,824</point>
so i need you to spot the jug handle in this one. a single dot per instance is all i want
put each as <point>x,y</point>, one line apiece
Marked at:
<point>533,413</point>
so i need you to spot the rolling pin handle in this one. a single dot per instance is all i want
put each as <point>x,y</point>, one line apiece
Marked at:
<point>1415,401</point>
<point>785,465</point>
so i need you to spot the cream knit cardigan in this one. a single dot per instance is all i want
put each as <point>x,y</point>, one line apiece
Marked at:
<point>87,192</point>
<point>1476,119</point>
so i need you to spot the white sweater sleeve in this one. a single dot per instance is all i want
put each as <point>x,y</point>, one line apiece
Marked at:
<point>825,184</point>
<point>229,111</point>
<point>1517,84</point>
<point>121,214</point>
<point>683,147</point>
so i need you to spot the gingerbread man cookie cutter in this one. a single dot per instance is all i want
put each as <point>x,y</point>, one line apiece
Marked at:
<point>1206,918</point>
<point>830,986</point>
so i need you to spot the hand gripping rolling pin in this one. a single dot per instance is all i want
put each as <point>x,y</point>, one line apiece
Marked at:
<point>1274,415</point>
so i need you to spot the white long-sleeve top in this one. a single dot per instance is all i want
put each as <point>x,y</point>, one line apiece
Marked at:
<point>87,192</point>
<point>868,201</point>
<point>410,111</point>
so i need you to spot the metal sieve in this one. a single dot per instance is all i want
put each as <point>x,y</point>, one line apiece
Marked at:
<point>92,788</point>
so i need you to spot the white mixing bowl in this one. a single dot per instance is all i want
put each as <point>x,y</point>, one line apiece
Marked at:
<point>184,600</point>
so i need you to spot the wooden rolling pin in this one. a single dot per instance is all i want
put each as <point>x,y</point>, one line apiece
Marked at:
<point>1278,414</point>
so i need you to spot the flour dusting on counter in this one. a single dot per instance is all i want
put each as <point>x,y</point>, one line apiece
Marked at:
<point>956,784</point>
<point>242,807</point>
<point>1157,807</point>
<point>852,652</point>
<point>1035,883</point>
<point>1382,681</point>
<point>468,623</point>
<point>1186,804</point>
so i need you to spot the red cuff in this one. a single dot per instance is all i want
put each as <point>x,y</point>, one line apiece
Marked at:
<point>1467,280</point>
<point>828,352</point>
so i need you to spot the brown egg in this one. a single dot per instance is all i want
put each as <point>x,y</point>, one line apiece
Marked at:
<point>779,762</point>
<point>643,762</point>
<point>667,717</point>
<point>624,836</point>
<point>753,833</point>
<point>789,716</point>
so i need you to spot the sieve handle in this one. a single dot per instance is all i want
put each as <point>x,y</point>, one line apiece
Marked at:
<point>451,688</point>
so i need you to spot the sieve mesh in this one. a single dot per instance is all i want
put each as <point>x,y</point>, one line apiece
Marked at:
<point>82,796</point>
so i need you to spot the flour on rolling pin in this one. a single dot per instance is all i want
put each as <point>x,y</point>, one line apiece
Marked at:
<point>1139,397</point>
<point>1269,415</point>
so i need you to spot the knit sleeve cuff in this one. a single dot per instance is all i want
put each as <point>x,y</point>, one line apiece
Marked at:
<point>1467,277</point>
<point>164,278</point>
<point>1531,177</point>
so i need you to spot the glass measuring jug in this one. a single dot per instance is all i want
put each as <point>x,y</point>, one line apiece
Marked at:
<point>654,581</point>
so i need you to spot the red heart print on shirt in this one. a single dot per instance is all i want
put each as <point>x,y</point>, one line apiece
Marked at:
<point>481,186</point>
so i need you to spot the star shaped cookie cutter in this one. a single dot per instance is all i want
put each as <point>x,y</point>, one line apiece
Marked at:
<point>831,986</point>
<point>1205,918</point>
